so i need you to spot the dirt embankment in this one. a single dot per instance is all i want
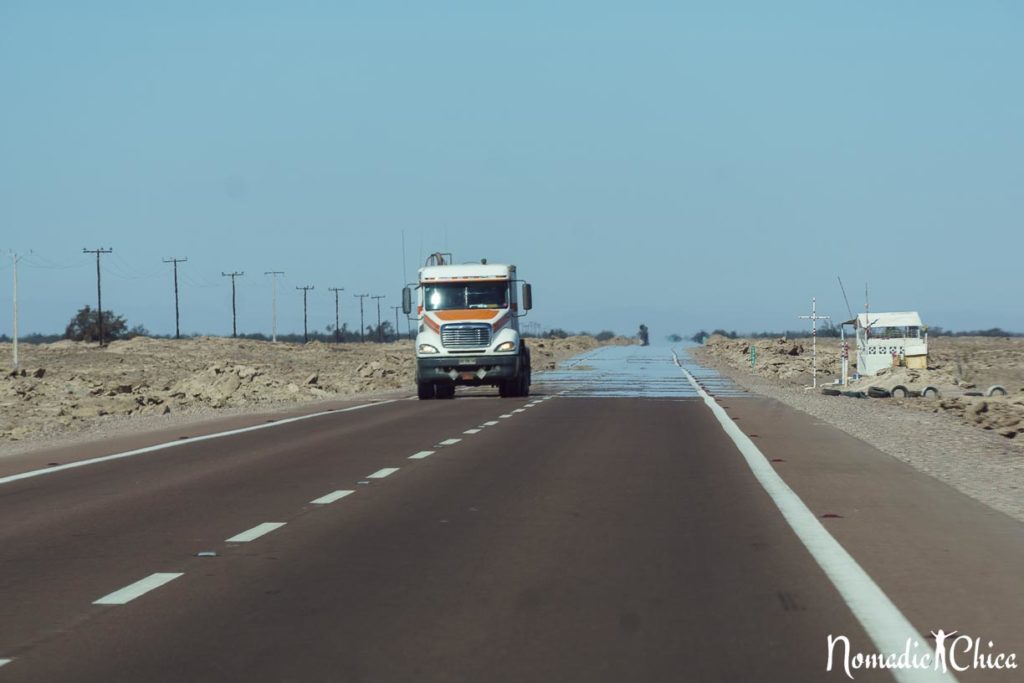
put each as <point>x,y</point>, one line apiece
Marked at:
<point>961,369</point>
<point>67,386</point>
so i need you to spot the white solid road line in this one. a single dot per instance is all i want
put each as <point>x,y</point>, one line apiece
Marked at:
<point>255,532</point>
<point>472,431</point>
<point>331,497</point>
<point>180,442</point>
<point>421,455</point>
<point>491,423</point>
<point>881,619</point>
<point>449,442</point>
<point>381,473</point>
<point>141,587</point>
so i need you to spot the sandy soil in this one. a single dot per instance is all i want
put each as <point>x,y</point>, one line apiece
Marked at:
<point>942,437</point>
<point>70,388</point>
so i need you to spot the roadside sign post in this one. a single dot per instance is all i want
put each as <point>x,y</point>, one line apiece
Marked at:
<point>814,318</point>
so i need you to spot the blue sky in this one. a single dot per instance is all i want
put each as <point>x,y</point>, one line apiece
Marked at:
<point>685,165</point>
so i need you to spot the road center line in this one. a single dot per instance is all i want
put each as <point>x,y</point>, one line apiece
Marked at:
<point>491,423</point>
<point>881,619</point>
<point>381,473</point>
<point>180,442</point>
<point>506,416</point>
<point>449,442</point>
<point>472,431</point>
<point>255,532</point>
<point>331,497</point>
<point>518,410</point>
<point>421,455</point>
<point>5,661</point>
<point>137,589</point>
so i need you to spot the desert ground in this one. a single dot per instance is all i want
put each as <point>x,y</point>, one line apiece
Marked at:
<point>67,387</point>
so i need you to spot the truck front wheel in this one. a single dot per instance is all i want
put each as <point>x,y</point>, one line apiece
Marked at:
<point>425,390</point>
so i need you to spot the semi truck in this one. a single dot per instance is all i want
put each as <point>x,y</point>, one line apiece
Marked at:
<point>468,327</point>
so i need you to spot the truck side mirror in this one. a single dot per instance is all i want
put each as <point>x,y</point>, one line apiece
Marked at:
<point>406,300</point>
<point>527,296</point>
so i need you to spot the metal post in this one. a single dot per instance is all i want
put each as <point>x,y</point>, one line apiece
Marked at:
<point>397,309</point>
<point>814,318</point>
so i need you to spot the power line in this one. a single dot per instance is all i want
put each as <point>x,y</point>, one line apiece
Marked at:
<point>362,337</point>
<point>380,331</point>
<point>273,327</point>
<point>99,287</point>
<point>337,313</point>
<point>305,317</point>
<point>234,310</point>
<point>177,310</point>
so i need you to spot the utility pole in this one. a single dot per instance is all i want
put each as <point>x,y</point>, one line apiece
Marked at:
<point>397,309</point>
<point>234,310</point>
<point>14,305</point>
<point>177,311</point>
<point>814,318</point>
<point>337,313</point>
<point>99,288</point>
<point>380,331</point>
<point>361,329</point>
<point>273,326</point>
<point>305,317</point>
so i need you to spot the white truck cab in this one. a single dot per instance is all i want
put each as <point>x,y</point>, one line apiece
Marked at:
<point>468,328</point>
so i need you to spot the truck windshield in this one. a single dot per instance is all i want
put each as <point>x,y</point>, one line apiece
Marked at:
<point>451,295</point>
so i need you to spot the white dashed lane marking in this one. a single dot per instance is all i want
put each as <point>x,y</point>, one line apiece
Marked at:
<point>490,423</point>
<point>421,455</point>
<point>255,532</point>
<point>471,431</point>
<point>381,473</point>
<point>4,661</point>
<point>331,497</point>
<point>518,410</point>
<point>139,588</point>
<point>449,442</point>
<point>508,415</point>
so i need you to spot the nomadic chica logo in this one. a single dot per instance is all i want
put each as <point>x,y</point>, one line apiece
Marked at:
<point>961,653</point>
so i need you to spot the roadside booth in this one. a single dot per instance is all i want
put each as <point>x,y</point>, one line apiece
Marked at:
<point>885,340</point>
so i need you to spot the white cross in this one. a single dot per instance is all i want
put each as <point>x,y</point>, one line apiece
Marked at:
<point>814,318</point>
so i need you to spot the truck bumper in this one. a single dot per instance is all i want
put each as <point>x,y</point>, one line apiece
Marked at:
<point>467,370</point>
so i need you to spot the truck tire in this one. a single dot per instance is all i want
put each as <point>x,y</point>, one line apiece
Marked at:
<point>996,390</point>
<point>425,390</point>
<point>930,392</point>
<point>878,392</point>
<point>900,391</point>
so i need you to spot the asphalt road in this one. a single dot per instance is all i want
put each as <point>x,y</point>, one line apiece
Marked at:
<point>561,538</point>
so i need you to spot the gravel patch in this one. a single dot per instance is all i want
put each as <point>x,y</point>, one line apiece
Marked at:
<point>981,464</point>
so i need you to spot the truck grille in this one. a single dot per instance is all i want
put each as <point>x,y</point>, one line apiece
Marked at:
<point>465,335</point>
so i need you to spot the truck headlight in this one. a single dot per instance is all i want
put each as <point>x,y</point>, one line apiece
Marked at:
<point>506,346</point>
<point>427,348</point>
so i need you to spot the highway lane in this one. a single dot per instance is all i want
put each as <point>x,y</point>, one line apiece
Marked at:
<point>578,539</point>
